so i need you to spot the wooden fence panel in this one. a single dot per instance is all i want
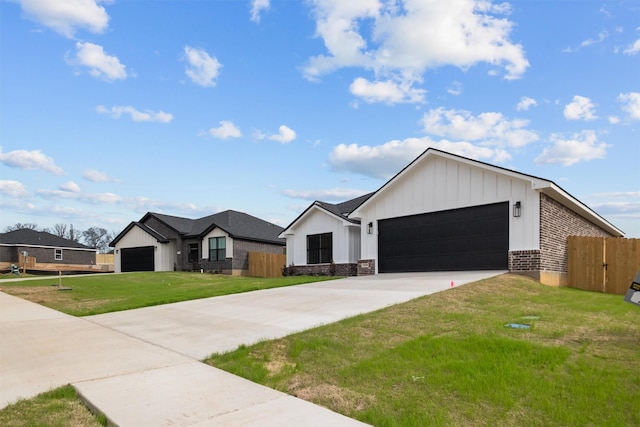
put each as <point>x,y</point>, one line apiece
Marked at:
<point>623,262</point>
<point>585,263</point>
<point>603,264</point>
<point>266,265</point>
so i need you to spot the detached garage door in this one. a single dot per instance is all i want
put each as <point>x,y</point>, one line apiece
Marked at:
<point>137,259</point>
<point>475,238</point>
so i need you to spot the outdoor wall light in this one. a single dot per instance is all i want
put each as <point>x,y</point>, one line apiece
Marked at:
<point>517,209</point>
<point>370,228</point>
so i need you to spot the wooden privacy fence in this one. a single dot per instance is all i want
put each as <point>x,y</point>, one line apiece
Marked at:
<point>602,264</point>
<point>266,265</point>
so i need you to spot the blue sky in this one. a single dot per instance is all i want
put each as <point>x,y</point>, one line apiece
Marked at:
<point>110,109</point>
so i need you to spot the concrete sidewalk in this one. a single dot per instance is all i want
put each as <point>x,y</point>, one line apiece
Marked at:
<point>141,367</point>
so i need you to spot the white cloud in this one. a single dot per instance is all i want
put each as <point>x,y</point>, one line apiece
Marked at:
<point>30,160</point>
<point>388,91</point>
<point>284,136</point>
<point>590,41</point>
<point>633,48</point>
<point>70,186</point>
<point>137,116</point>
<point>399,42</point>
<point>97,176</point>
<point>581,108</point>
<point>91,198</point>
<point>257,7</point>
<point>226,130</point>
<point>580,147</point>
<point>526,103</point>
<point>631,104</point>
<point>67,16</point>
<point>614,120</point>
<point>490,127</point>
<point>384,161</point>
<point>203,69</point>
<point>13,189</point>
<point>455,89</point>
<point>101,65</point>
<point>332,194</point>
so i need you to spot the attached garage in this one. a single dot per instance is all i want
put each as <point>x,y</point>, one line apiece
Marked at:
<point>137,259</point>
<point>472,238</point>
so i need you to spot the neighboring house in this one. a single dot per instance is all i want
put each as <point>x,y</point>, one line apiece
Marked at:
<point>45,247</point>
<point>216,243</point>
<point>445,212</point>
<point>323,238</point>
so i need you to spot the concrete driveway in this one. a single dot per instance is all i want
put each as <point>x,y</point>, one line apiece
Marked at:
<point>141,367</point>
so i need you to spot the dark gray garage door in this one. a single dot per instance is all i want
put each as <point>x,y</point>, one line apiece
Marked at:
<point>475,238</point>
<point>137,259</point>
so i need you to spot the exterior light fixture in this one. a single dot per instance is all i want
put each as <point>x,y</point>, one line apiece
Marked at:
<point>517,209</point>
<point>370,228</point>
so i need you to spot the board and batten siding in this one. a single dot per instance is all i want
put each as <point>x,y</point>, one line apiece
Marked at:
<point>318,222</point>
<point>165,256</point>
<point>216,232</point>
<point>439,184</point>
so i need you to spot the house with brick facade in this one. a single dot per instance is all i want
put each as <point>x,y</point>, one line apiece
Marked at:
<point>44,249</point>
<point>445,212</point>
<point>216,243</point>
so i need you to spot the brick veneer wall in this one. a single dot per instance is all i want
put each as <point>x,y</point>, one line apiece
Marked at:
<point>366,267</point>
<point>528,260</point>
<point>557,222</point>
<point>347,269</point>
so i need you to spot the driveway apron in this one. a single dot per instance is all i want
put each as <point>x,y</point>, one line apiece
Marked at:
<point>141,367</point>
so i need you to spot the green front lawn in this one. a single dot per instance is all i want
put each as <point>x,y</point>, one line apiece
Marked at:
<point>96,294</point>
<point>449,360</point>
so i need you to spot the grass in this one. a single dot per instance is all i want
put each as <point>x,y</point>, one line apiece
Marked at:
<point>448,359</point>
<point>59,407</point>
<point>98,294</point>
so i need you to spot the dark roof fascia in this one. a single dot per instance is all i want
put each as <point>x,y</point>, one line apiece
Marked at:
<point>325,207</point>
<point>159,237</point>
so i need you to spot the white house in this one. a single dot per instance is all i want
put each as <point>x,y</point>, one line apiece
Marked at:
<point>445,212</point>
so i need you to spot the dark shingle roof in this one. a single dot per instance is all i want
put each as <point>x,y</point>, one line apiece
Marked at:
<point>30,237</point>
<point>345,208</point>
<point>236,224</point>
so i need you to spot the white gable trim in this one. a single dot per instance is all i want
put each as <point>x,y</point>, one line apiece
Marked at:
<point>310,211</point>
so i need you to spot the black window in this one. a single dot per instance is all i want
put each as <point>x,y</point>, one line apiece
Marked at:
<point>58,254</point>
<point>217,249</point>
<point>319,248</point>
<point>193,252</point>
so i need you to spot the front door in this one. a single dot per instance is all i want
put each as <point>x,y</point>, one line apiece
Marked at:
<point>193,252</point>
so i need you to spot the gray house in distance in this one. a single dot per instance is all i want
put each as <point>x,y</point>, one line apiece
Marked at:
<point>216,243</point>
<point>45,247</point>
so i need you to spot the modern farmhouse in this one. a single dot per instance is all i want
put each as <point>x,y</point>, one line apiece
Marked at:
<point>446,212</point>
<point>215,243</point>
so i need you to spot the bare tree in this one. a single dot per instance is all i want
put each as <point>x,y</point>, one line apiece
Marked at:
<point>60,230</point>
<point>98,238</point>
<point>73,236</point>
<point>20,226</point>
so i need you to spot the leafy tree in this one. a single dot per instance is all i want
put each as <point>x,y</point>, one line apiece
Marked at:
<point>20,226</point>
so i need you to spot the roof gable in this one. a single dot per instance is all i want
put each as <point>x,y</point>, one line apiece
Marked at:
<point>340,210</point>
<point>236,224</point>
<point>539,184</point>
<point>30,237</point>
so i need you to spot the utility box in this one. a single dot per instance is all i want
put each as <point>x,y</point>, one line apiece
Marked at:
<point>633,294</point>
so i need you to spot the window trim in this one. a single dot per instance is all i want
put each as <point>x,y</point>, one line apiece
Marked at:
<point>221,253</point>
<point>320,250</point>
<point>57,254</point>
